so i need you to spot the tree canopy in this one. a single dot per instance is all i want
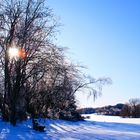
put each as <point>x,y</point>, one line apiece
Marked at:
<point>35,76</point>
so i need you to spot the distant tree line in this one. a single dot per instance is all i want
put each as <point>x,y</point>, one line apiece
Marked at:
<point>41,82</point>
<point>113,110</point>
<point>131,109</point>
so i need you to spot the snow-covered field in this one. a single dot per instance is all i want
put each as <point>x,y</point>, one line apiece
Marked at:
<point>96,128</point>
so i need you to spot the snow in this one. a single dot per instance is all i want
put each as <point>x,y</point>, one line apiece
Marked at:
<point>114,119</point>
<point>96,128</point>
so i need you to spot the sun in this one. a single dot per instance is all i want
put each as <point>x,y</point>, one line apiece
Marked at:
<point>16,53</point>
<point>13,52</point>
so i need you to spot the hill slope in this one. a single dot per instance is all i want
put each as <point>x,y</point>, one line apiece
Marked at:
<point>102,128</point>
<point>113,110</point>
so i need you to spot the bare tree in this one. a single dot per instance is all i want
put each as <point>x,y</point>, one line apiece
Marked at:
<point>34,74</point>
<point>135,103</point>
<point>126,111</point>
<point>132,108</point>
<point>27,25</point>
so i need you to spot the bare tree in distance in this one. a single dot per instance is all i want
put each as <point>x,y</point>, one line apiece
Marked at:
<point>135,104</point>
<point>132,108</point>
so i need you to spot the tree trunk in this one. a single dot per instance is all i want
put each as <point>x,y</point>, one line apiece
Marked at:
<point>13,114</point>
<point>7,87</point>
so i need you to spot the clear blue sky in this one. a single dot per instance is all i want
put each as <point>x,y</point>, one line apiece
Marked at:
<point>104,35</point>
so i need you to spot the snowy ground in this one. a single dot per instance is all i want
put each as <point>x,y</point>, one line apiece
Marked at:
<point>96,128</point>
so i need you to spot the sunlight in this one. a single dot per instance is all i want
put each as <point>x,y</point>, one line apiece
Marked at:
<point>13,52</point>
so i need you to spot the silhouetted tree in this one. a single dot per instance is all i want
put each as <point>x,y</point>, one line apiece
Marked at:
<point>27,25</point>
<point>39,78</point>
<point>126,111</point>
<point>135,103</point>
<point>131,109</point>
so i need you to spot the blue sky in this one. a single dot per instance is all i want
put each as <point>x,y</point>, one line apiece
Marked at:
<point>103,35</point>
